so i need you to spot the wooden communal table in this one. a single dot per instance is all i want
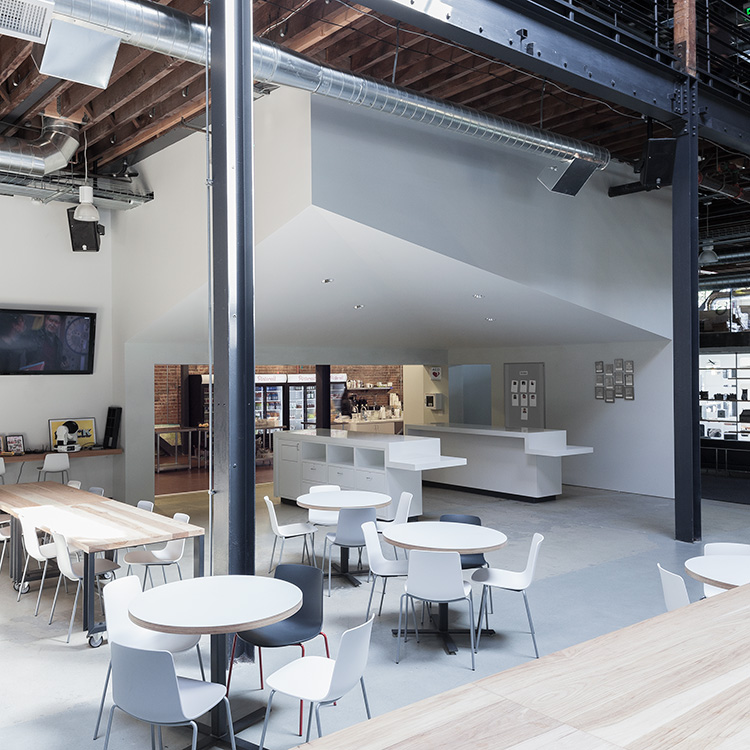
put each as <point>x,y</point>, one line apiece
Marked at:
<point>680,680</point>
<point>91,524</point>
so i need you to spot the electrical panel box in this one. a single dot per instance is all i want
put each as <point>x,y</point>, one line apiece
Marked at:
<point>433,401</point>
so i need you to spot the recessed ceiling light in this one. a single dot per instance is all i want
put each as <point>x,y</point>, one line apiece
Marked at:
<point>358,307</point>
<point>478,296</point>
<point>327,281</point>
<point>490,320</point>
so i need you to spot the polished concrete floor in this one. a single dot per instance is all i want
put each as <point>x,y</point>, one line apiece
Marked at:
<point>597,572</point>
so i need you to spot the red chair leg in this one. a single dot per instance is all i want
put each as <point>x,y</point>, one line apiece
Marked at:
<point>231,662</point>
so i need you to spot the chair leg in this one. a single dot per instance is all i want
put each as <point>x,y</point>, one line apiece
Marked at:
<point>369,601</point>
<point>265,721</point>
<point>317,719</point>
<point>23,578</point>
<point>164,572</point>
<point>273,552</point>
<point>109,727</point>
<point>364,695</point>
<point>73,613</point>
<point>230,724</point>
<point>398,632</point>
<point>41,586</point>
<point>231,663</point>
<point>101,704</point>
<point>382,596</point>
<point>531,624</point>
<point>54,601</point>
<point>470,600</point>
<point>309,722</point>
<point>200,662</point>
<point>482,610</point>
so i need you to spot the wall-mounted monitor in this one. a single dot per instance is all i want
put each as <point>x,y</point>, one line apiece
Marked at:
<point>46,342</point>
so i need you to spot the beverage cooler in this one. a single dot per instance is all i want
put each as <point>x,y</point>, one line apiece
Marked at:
<point>301,400</point>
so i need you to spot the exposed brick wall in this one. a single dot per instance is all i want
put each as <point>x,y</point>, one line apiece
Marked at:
<point>167,394</point>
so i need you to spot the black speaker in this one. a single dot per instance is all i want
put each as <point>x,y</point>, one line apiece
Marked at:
<point>658,162</point>
<point>112,428</point>
<point>196,415</point>
<point>84,235</point>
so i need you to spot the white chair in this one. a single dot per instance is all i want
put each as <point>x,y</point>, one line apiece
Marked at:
<point>290,531</point>
<point>348,533</point>
<point>511,581</point>
<point>434,577</point>
<point>323,681</point>
<point>73,571</point>
<point>2,471</point>
<point>4,539</point>
<point>401,515</point>
<point>145,686</point>
<point>323,517</point>
<point>145,505</point>
<point>75,484</point>
<point>54,463</point>
<point>121,629</point>
<point>722,548</point>
<point>42,553</point>
<point>380,565</point>
<point>97,491</point>
<point>674,589</point>
<point>170,554</point>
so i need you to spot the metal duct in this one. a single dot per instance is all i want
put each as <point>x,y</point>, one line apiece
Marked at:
<point>162,29</point>
<point>721,186</point>
<point>724,282</point>
<point>49,153</point>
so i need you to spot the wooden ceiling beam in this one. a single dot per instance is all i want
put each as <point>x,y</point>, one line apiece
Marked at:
<point>28,79</point>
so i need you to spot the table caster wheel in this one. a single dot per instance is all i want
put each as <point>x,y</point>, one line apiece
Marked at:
<point>25,589</point>
<point>96,640</point>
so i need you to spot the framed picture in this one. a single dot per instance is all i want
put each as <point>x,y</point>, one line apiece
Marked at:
<point>599,392</point>
<point>629,393</point>
<point>599,366</point>
<point>85,434</point>
<point>14,443</point>
<point>618,364</point>
<point>2,444</point>
<point>629,365</point>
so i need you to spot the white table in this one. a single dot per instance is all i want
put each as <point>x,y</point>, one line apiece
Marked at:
<point>217,605</point>
<point>722,571</point>
<point>343,500</point>
<point>443,536</point>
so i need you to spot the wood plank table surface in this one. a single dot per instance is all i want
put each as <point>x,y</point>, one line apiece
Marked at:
<point>89,523</point>
<point>678,681</point>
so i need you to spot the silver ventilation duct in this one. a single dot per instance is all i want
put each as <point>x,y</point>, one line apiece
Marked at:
<point>170,32</point>
<point>736,281</point>
<point>50,152</point>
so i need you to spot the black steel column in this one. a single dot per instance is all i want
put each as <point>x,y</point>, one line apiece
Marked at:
<point>323,396</point>
<point>232,233</point>
<point>685,320</point>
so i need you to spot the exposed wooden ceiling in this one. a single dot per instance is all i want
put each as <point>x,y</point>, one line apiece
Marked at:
<point>150,94</point>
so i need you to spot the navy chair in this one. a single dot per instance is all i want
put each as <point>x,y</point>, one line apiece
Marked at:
<point>474,559</point>
<point>304,625</point>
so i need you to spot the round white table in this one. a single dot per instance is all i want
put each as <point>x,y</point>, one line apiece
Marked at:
<point>344,500</point>
<point>444,536</point>
<point>217,605</point>
<point>722,571</point>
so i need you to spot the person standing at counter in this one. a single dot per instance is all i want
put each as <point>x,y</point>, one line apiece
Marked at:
<point>346,405</point>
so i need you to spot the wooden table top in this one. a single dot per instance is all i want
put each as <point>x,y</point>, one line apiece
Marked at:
<point>678,681</point>
<point>722,571</point>
<point>216,604</point>
<point>89,522</point>
<point>344,499</point>
<point>444,536</point>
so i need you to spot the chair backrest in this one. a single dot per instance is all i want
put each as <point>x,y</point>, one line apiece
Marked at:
<point>117,596</point>
<point>97,491</point>
<point>674,589</point>
<point>528,572</point>
<point>145,505</point>
<point>471,559</point>
<point>30,539</point>
<point>726,548</point>
<point>375,557</point>
<point>310,581</point>
<point>2,466</point>
<point>402,509</point>
<point>351,660</point>
<point>349,530</point>
<point>272,516</point>
<point>75,484</point>
<point>62,552</point>
<point>174,549</point>
<point>56,462</point>
<point>144,684</point>
<point>325,488</point>
<point>435,576</point>
<point>461,518</point>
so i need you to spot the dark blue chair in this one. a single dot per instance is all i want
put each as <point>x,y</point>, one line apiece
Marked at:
<point>304,625</point>
<point>474,559</point>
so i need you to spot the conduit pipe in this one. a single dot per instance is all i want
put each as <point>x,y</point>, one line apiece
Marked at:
<point>162,29</point>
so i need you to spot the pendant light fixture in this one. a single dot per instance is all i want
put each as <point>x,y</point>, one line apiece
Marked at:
<point>86,210</point>
<point>708,254</point>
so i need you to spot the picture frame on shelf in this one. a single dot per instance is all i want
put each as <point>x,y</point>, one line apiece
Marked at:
<point>2,443</point>
<point>85,436</point>
<point>14,444</point>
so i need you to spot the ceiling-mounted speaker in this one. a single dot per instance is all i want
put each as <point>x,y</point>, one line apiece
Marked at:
<point>85,236</point>
<point>658,162</point>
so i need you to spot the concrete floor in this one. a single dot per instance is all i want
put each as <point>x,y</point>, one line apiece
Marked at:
<point>597,572</point>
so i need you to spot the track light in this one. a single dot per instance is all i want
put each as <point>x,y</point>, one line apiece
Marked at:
<point>86,210</point>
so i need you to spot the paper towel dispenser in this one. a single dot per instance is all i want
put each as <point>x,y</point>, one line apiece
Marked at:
<point>433,401</point>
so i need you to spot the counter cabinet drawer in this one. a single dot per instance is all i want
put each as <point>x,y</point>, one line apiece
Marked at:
<point>315,471</point>
<point>341,476</point>
<point>370,480</point>
<point>288,451</point>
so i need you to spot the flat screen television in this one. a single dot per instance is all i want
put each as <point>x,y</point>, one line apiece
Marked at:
<point>46,342</point>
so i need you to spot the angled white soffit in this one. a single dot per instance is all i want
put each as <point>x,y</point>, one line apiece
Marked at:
<point>412,297</point>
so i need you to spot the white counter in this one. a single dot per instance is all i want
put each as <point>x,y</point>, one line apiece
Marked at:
<point>523,463</point>
<point>383,426</point>
<point>355,460</point>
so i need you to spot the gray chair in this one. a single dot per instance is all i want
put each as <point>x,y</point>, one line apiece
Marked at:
<point>474,559</point>
<point>304,625</point>
<point>54,463</point>
<point>348,533</point>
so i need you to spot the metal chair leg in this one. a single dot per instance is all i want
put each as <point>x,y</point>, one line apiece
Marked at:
<point>531,624</point>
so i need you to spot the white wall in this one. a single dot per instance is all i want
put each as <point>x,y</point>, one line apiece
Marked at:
<point>40,270</point>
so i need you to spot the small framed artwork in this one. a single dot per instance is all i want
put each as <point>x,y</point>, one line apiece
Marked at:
<point>85,432</point>
<point>629,393</point>
<point>599,392</point>
<point>599,366</point>
<point>629,378</point>
<point>629,365</point>
<point>609,381</point>
<point>600,379</point>
<point>609,395</point>
<point>14,443</point>
<point>609,369</point>
<point>618,364</point>
<point>2,444</point>
<point>619,392</point>
<point>619,377</point>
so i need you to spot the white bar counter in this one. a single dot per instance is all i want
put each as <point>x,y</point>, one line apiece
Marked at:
<point>526,464</point>
<point>356,461</point>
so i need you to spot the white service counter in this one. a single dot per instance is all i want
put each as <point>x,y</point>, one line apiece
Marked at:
<point>356,461</point>
<point>523,463</point>
<point>382,426</point>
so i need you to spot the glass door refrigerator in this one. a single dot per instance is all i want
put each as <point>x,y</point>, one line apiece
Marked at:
<point>301,401</point>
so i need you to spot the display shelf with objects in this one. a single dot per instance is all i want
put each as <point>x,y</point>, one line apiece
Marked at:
<point>724,390</point>
<point>355,461</point>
